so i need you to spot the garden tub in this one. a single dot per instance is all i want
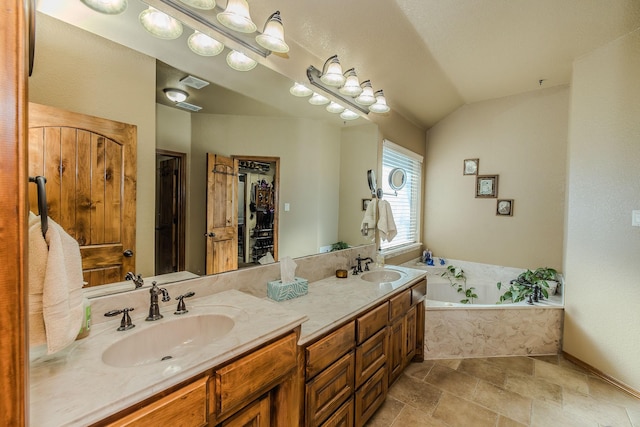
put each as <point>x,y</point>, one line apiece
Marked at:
<point>484,328</point>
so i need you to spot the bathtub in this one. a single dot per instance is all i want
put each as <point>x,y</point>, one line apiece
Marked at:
<point>484,328</point>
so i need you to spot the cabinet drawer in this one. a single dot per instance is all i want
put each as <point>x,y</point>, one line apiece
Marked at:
<point>329,390</point>
<point>184,407</point>
<point>370,396</point>
<point>326,351</point>
<point>343,417</point>
<point>370,323</point>
<point>418,292</point>
<point>399,304</point>
<point>255,373</point>
<point>370,356</point>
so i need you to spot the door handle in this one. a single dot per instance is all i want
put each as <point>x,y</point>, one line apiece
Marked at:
<point>210,234</point>
<point>128,253</point>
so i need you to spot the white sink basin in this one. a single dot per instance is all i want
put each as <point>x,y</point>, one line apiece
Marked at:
<point>166,340</point>
<point>382,276</point>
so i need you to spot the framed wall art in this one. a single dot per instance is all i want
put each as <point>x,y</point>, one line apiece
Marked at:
<point>504,207</point>
<point>487,186</point>
<point>470,166</point>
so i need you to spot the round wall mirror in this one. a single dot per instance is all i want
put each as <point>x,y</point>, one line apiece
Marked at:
<point>397,178</point>
<point>371,177</point>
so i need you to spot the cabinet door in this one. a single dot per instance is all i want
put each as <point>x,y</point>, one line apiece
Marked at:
<point>371,396</point>
<point>396,349</point>
<point>410,335</point>
<point>329,390</point>
<point>370,356</point>
<point>257,414</point>
<point>343,417</point>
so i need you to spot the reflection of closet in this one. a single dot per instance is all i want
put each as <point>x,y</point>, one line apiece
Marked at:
<point>262,233</point>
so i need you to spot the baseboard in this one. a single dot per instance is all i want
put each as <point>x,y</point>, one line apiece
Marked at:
<point>614,382</point>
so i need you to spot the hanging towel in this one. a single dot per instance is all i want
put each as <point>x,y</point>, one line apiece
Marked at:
<point>55,286</point>
<point>369,219</point>
<point>386,224</point>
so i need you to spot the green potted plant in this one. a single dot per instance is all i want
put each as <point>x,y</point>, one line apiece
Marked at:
<point>457,279</point>
<point>530,284</point>
<point>339,246</point>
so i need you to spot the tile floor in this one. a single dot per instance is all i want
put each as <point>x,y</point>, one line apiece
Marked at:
<point>544,391</point>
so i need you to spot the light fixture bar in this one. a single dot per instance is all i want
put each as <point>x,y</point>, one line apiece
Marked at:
<point>245,40</point>
<point>314,78</point>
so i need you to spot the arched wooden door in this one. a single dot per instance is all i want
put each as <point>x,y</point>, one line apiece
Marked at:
<point>90,167</point>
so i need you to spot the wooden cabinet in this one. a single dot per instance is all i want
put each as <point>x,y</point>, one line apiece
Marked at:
<point>343,417</point>
<point>329,390</point>
<point>255,390</point>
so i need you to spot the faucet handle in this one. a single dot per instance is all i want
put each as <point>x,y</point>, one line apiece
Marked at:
<point>182,308</point>
<point>125,323</point>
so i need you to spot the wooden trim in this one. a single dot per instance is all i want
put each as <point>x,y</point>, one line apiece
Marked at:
<point>13,213</point>
<point>598,373</point>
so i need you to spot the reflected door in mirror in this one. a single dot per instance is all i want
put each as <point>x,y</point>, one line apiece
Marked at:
<point>90,167</point>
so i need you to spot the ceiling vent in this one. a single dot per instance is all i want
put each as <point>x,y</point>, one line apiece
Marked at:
<point>188,106</point>
<point>194,82</point>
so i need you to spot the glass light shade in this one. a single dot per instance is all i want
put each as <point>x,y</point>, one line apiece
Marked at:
<point>380,106</point>
<point>236,17</point>
<point>300,90</point>
<point>204,45</point>
<point>108,7</point>
<point>366,97</point>
<point>348,115</point>
<point>332,72</point>
<point>272,36</point>
<point>240,62</point>
<point>334,107</point>
<point>160,24</point>
<point>200,4</point>
<point>176,95</point>
<point>351,85</point>
<point>318,99</point>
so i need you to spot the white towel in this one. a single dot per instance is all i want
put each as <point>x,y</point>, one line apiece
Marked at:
<point>386,224</point>
<point>55,286</point>
<point>369,219</point>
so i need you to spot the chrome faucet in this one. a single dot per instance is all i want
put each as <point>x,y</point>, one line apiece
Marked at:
<point>154,308</point>
<point>137,280</point>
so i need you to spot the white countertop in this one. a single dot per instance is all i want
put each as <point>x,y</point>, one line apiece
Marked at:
<point>75,387</point>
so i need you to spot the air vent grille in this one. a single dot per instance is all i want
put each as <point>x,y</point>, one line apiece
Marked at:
<point>188,106</point>
<point>194,82</point>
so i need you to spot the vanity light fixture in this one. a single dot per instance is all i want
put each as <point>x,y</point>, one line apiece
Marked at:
<point>348,115</point>
<point>108,7</point>
<point>335,108</point>
<point>272,36</point>
<point>332,72</point>
<point>300,90</point>
<point>204,45</point>
<point>366,98</point>
<point>236,17</point>
<point>351,85</point>
<point>160,24</point>
<point>240,62</point>
<point>200,4</point>
<point>380,106</point>
<point>176,95</point>
<point>317,99</point>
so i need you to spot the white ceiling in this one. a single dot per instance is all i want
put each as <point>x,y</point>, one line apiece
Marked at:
<point>429,56</point>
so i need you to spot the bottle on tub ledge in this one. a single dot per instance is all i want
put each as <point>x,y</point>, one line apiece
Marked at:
<point>427,257</point>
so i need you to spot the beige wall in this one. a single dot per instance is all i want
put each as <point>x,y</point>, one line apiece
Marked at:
<point>522,139</point>
<point>78,71</point>
<point>602,301</point>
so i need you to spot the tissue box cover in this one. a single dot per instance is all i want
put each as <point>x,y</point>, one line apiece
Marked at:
<point>278,291</point>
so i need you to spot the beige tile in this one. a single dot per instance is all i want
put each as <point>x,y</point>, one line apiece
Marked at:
<point>604,413</point>
<point>460,412</point>
<point>453,381</point>
<point>504,402</point>
<point>512,365</point>
<point>479,368</point>
<point>568,379</point>
<point>634,416</point>
<point>386,414</point>
<point>449,363</point>
<point>553,359</point>
<point>416,393</point>
<point>534,388</point>
<point>411,417</point>
<point>602,390</point>
<point>547,414</point>
<point>508,422</point>
<point>419,370</point>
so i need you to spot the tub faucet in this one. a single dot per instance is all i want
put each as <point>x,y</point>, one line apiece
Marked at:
<point>137,280</point>
<point>154,308</point>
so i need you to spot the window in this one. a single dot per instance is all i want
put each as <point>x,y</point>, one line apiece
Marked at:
<point>406,205</point>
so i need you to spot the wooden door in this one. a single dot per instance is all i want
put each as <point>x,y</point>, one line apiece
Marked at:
<point>166,216</point>
<point>90,167</point>
<point>257,414</point>
<point>222,216</point>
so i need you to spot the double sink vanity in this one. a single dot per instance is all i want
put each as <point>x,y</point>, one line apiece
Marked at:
<point>322,359</point>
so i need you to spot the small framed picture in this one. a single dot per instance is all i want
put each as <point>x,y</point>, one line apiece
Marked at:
<point>365,204</point>
<point>504,207</point>
<point>470,166</point>
<point>487,186</point>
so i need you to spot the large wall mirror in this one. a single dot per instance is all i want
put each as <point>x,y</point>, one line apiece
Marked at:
<point>109,66</point>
